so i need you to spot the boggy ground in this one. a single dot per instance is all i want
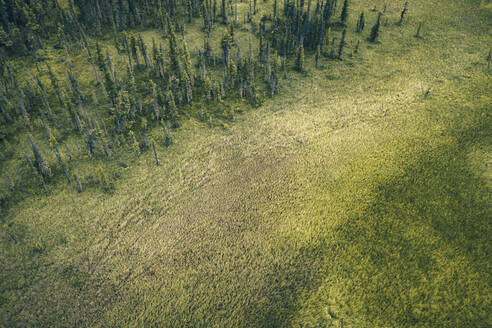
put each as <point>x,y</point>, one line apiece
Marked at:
<point>352,199</point>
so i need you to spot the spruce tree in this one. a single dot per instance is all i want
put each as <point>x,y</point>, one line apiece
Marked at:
<point>134,143</point>
<point>172,113</point>
<point>226,44</point>
<point>109,81</point>
<point>328,10</point>
<point>54,84</point>
<point>356,50</point>
<point>207,50</point>
<point>100,62</point>
<point>110,66</point>
<point>214,12</point>
<point>74,84</point>
<point>375,29</point>
<point>78,183</point>
<point>103,179</point>
<point>419,28</point>
<point>344,15</point>
<point>165,130</point>
<point>223,12</point>
<point>174,62</point>
<point>342,44</point>
<point>133,47</point>
<point>121,16</point>
<point>91,143</point>
<point>489,58</point>
<point>155,102</point>
<point>360,23</point>
<point>236,21</point>
<point>188,65</point>
<point>207,26</point>
<point>403,12</point>
<point>300,59</point>
<point>155,55</point>
<point>155,154</point>
<point>40,164</point>
<point>54,146</point>
<point>189,9</point>
<point>143,51</point>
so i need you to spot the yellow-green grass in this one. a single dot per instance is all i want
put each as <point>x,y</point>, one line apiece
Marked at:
<point>351,199</point>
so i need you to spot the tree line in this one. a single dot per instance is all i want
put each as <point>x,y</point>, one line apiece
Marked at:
<point>157,85</point>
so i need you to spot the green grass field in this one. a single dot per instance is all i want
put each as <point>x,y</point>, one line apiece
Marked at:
<point>351,199</point>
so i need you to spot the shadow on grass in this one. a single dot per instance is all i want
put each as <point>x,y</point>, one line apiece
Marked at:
<point>416,255</point>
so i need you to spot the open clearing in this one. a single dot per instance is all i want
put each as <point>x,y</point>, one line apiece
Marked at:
<point>351,199</point>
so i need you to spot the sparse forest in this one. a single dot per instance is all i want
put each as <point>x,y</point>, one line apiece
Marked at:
<point>119,119</point>
<point>53,115</point>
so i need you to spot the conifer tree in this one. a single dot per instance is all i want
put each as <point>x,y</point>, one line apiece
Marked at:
<point>268,63</point>
<point>54,84</point>
<point>356,50</point>
<point>342,44</point>
<point>236,22</point>
<point>110,66</point>
<point>155,103</point>
<point>91,143</point>
<point>188,65</point>
<point>165,130</point>
<point>328,11</point>
<point>159,62</point>
<point>133,46</point>
<point>172,109</point>
<point>54,146</point>
<point>78,183</point>
<point>109,82</point>
<point>375,29</point>
<point>121,16</point>
<point>155,56</point>
<point>189,8</point>
<point>27,161</point>
<point>207,23</point>
<point>143,51</point>
<point>419,28</point>
<point>250,48</point>
<point>100,62</point>
<point>134,143</point>
<point>489,58</point>
<point>360,23</point>
<point>40,164</point>
<point>226,44</point>
<point>300,59</point>
<point>76,122</point>
<point>223,12</point>
<point>174,62</point>
<point>90,59</point>
<point>208,86</point>
<point>317,55</point>
<point>74,84</point>
<point>187,88</point>
<point>214,12</point>
<point>274,77</point>
<point>155,154</point>
<point>103,179</point>
<point>344,14</point>
<point>403,12</point>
